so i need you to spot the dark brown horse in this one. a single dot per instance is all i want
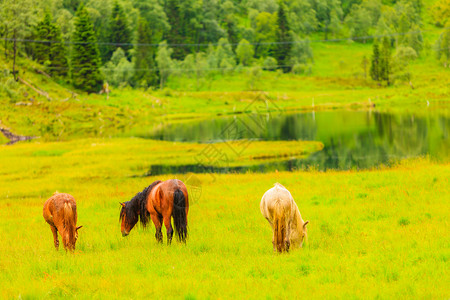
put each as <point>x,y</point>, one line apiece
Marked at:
<point>160,201</point>
<point>60,212</point>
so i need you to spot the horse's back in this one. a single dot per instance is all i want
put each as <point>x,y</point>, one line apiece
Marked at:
<point>276,196</point>
<point>54,206</point>
<point>168,187</point>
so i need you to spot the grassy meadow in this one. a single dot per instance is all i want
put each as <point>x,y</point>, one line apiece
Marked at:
<point>380,233</point>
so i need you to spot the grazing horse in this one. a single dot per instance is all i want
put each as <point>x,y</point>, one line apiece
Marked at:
<point>280,209</point>
<point>161,200</point>
<point>60,212</point>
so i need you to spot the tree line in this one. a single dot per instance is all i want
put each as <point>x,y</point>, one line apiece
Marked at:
<point>142,42</point>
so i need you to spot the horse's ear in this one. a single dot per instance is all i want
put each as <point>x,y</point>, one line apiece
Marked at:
<point>123,204</point>
<point>304,224</point>
<point>79,227</point>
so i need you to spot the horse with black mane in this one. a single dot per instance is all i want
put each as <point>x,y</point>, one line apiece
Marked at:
<point>160,201</point>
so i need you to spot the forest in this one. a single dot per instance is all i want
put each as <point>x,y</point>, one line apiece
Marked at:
<point>143,43</point>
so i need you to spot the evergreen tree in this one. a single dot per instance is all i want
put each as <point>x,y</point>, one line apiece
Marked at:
<point>119,33</point>
<point>175,34</point>
<point>385,61</point>
<point>144,63</point>
<point>85,55</point>
<point>232,30</point>
<point>375,63</point>
<point>44,32</point>
<point>184,26</point>
<point>52,54</point>
<point>282,48</point>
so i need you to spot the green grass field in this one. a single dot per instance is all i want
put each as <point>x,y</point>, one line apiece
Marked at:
<point>379,233</point>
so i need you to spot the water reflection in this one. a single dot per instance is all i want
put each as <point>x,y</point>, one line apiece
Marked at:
<point>352,139</point>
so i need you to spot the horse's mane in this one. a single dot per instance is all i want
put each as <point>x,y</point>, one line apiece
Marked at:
<point>138,204</point>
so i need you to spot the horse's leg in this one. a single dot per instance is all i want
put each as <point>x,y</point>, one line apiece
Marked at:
<point>169,228</point>
<point>55,236</point>
<point>157,221</point>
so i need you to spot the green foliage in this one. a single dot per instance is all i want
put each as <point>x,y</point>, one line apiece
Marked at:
<point>443,48</point>
<point>441,12</point>
<point>17,18</point>
<point>52,54</point>
<point>270,26</point>
<point>325,9</point>
<point>244,52</point>
<point>265,28</point>
<point>375,63</point>
<point>385,61</point>
<point>281,50</point>
<point>301,52</point>
<point>119,33</point>
<point>118,71</point>
<point>224,56</point>
<point>153,13</point>
<point>182,16</point>
<point>301,17</point>
<point>164,62</point>
<point>270,63</point>
<point>359,22</point>
<point>145,74</point>
<point>380,67</point>
<point>400,63</point>
<point>85,55</point>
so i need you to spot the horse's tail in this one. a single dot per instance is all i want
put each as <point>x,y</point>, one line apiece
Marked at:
<point>279,228</point>
<point>179,215</point>
<point>69,222</point>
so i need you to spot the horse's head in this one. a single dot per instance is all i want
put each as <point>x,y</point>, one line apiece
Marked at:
<point>71,239</point>
<point>304,233</point>
<point>128,217</point>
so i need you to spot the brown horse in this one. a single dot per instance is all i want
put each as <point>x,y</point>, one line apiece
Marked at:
<point>161,200</point>
<point>60,212</point>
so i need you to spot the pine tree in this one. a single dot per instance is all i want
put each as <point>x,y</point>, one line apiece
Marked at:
<point>58,56</point>
<point>175,34</point>
<point>375,63</point>
<point>185,27</point>
<point>120,35</point>
<point>85,55</point>
<point>144,63</point>
<point>43,32</point>
<point>385,61</point>
<point>282,48</point>
<point>52,54</point>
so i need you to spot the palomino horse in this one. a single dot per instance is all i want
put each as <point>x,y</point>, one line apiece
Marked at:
<point>280,209</point>
<point>60,212</point>
<point>161,200</point>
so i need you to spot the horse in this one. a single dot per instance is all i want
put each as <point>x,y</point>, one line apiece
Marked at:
<point>160,201</point>
<point>60,212</point>
<point>279,208</point>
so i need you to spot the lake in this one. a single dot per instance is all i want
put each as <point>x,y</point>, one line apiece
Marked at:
<point>352,139</point>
